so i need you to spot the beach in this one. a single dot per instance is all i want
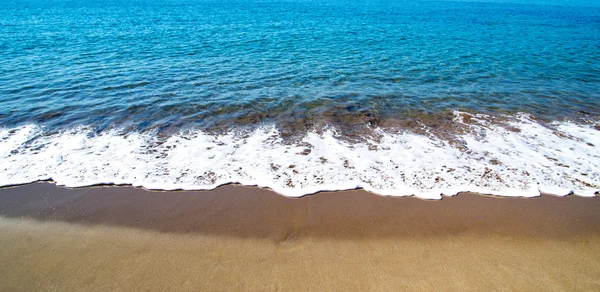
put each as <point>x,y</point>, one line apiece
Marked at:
<point>238,238</point>
<point>334,145</point>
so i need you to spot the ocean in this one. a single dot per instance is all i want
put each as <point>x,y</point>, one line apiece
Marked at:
<point>400,98</point>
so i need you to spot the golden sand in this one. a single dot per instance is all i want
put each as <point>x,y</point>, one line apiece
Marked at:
<point>248,239</point>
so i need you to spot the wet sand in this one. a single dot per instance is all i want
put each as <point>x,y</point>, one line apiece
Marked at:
<point>239,238</point>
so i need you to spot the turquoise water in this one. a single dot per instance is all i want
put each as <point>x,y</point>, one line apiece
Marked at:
<point>151,64</point>
<point>397,97</point>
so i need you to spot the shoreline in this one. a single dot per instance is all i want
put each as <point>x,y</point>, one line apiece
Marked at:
<point>231,210</point>
<point>518,157</point>
<point>238,238</point>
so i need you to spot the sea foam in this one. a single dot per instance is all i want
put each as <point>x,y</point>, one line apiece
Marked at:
<point>519,158</point>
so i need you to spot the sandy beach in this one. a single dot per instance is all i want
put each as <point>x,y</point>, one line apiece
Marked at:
<point>237,238</point>
<point>331,145</point>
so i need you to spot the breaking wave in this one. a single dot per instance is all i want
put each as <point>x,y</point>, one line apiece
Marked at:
<point>518,156</point>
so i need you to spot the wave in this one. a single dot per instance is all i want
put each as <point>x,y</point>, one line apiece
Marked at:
<point>508,156</point>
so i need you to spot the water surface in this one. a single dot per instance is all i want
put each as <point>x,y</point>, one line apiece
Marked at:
<point>351,71</point>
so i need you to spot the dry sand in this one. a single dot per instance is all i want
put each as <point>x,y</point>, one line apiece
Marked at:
<point>249,239</point>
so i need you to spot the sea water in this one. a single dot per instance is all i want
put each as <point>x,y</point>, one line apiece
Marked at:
<point>400,98</point>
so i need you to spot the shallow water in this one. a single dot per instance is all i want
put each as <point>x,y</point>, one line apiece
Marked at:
<point>73,74</point>
<point>195,62</point>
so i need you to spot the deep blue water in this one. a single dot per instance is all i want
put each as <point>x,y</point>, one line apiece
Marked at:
<point>147,64</point>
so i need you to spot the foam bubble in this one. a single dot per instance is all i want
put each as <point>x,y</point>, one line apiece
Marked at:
<point>519,158</point>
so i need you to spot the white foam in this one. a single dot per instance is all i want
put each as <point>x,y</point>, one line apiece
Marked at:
<point>560,159</point>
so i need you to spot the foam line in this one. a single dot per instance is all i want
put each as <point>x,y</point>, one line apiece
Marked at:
<point>559,159</point>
